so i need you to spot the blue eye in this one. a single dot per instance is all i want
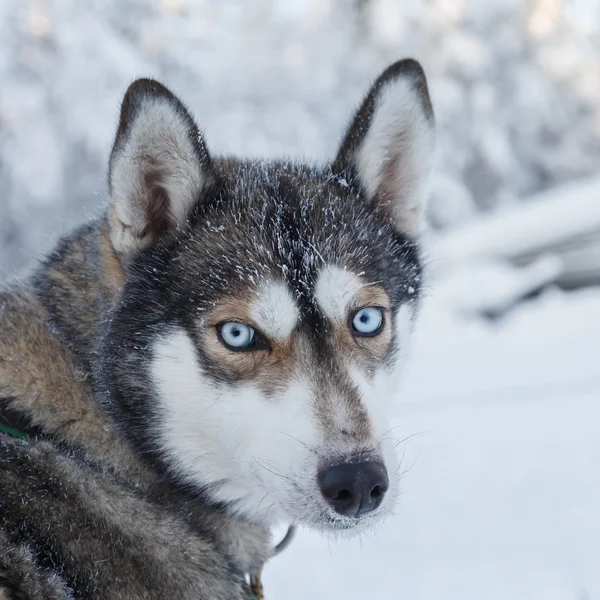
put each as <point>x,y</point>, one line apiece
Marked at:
<point>368,321</point>
<point>237,336</point>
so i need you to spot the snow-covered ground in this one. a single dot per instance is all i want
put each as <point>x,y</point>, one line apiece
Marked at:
<point>502,498</point>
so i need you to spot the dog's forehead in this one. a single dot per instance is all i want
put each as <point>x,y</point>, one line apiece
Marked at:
<point>290,199</point>
<point>297,238</point>
<point>294,217</point>
<point>278,308</point>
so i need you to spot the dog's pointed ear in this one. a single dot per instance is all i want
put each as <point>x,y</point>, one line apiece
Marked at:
<point>388,149</point>
<point>158,167</point>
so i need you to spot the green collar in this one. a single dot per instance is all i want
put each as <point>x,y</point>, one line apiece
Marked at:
<point>13,432</point>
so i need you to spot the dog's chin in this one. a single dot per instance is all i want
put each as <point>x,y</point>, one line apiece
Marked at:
<point>333,525</point>
<point>346,527</point>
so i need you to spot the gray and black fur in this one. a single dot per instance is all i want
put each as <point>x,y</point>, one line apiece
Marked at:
<point>91,505</point>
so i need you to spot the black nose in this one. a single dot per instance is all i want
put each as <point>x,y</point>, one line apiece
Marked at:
<point>354,488</point>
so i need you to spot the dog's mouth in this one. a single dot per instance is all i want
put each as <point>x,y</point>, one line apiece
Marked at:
<point>346,524</point>
<point>326,521</point>
<point>350,525</point>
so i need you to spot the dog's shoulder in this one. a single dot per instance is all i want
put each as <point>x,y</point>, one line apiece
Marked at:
<point>60,514</point>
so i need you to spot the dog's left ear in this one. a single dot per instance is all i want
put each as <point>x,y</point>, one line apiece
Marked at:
<point>388,149</point>
<point>158,167</point>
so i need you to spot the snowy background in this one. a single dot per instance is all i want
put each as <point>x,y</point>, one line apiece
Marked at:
<point>503,494</point>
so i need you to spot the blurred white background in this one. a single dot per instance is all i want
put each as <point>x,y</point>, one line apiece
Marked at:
<point>503,494</point>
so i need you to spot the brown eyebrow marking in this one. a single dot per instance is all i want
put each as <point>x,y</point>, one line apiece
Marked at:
<point>371,295</point>
<point>231,308</point>
<point>271,370</point>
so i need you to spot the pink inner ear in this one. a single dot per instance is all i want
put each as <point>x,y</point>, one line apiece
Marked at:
<point>398,189</point>
<point>157,206</point>
<point>158,169</point>
<point>389,145</point>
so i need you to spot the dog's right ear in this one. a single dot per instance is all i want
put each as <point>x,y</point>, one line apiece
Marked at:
<point>158,167</point>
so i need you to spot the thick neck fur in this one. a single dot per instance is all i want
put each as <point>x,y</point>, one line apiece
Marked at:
<point>51,323</point>
<point>77,285</point>
<point>49,328</point>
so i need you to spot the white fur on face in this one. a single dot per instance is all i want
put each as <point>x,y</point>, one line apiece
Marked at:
<point>245,448</point>
<point>157,143</point>
<point>396,153</point>
<point>259,455</point>
<point>334,292</point>
<point>275,312</point>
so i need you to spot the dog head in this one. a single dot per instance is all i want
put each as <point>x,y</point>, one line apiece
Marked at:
<point>256,344</point>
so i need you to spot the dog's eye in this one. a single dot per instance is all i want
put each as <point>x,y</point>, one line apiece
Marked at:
<point>236,335</point>
<point>239,336</point>
<point>367,321</point>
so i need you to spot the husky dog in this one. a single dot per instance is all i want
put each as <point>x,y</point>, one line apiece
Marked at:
<point>213,355</point>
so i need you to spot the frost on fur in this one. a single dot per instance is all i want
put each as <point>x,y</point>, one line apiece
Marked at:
<point>158,166</point>
<point>390,144</point>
